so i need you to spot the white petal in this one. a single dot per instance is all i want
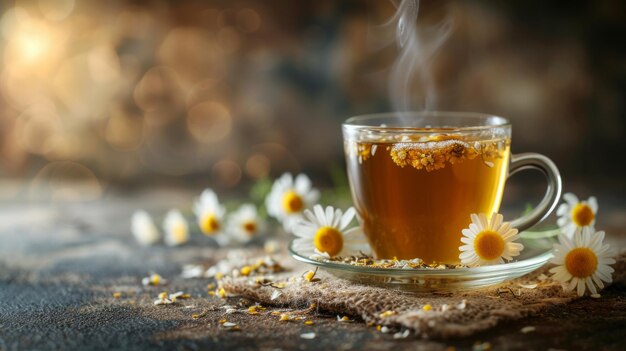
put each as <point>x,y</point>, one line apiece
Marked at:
<point>505,227</point>
<point>303,183</point>
<point>596,241</point>
<point>476,221</point>
<point>143,228</point>
<point>467,254</point>
<point>330,211</point>
<point>593,204</point>
<point>604,276</point>
<point>290,221</point>
<point>311,217</point>
<point>561,274</point>
<point>598,281</point>
<point>562,210</point>
<point>304,230</point>
<point>321,216</point>
<point>605,251</point>
<point>572,284</point>
<point>347,218</point>
<point>510,235</point>
<point>496,221</point>
<point>590,286</point>
<point>311,197</point>
<point>570,198</point>
<point>606,261</point>
<point>484,223</point>
<point>570,230</point>
<point>578,238</point>
<point>558,259</point>
<point>470,260</point>
<point>302,245</point>
<point>355,233</point>
<point>566,242</point>
<point>285,180</point>
<point>337,219</point>
<point>604,269</point>
<point>580,290</point>
<point>475,228</point>
<point>468,233</point>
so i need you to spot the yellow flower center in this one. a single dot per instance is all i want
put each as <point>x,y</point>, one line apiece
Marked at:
<point>179,232</point>
<point>581,262</point>
<point>209,224</point>
<point>582,215</point>
<point>292,202</point>
<point>249,227</point>
<point>329,240</point>
<point>488,245</point>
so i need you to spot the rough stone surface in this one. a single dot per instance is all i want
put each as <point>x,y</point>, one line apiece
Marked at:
<point>60,264</point>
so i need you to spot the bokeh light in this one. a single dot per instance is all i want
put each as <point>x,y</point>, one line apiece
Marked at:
<point>209,122</point>
<point>241,90</point>
<point>51,183</point>
<point>226,173</point>
<point>56,10</point>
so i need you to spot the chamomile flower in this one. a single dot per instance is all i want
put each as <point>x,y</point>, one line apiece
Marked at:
<point>175,228</point>
<point>325,232</point>
<point>574,214</point>
<point>245,224</point>
<point>143,228</point>
<point>288,198</point>
<point>488,241</point>
<point>210,213</point>
<point>582,261</point>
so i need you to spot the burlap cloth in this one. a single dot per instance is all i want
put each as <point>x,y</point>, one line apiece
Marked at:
<point>452,315</point>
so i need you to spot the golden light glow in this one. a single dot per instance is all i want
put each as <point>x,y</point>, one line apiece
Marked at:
<point>124,130</point>
<point>158,89</point>
<point>104,65</point>
<point>227,173</point>
<point>56,10</point>
<point>228,40</point>
<point>209,122</point>
<point>248,20</point>
<point>192,53</point>
<point>36,129</point>
<point>128,90</point>
<point>257,166</point>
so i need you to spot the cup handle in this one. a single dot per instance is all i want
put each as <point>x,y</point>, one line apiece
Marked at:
<point>540,162</point>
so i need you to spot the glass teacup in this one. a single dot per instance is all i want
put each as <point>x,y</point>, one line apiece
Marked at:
<point>416,178</point>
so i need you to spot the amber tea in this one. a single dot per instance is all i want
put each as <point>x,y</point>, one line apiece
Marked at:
<point>415,197</point>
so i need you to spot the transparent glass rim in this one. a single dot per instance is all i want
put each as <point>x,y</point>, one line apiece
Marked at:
<point>537,260</point>
<point>465,122</point>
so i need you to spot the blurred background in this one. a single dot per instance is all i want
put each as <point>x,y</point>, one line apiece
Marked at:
<point>137,94</point>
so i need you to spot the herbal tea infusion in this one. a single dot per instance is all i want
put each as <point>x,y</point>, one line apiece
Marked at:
<point>415,193</point>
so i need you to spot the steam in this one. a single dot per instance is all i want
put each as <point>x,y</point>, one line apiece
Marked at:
<point>416,49</point>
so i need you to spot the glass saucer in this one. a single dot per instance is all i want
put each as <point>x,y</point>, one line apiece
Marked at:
<point>537,251</point>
